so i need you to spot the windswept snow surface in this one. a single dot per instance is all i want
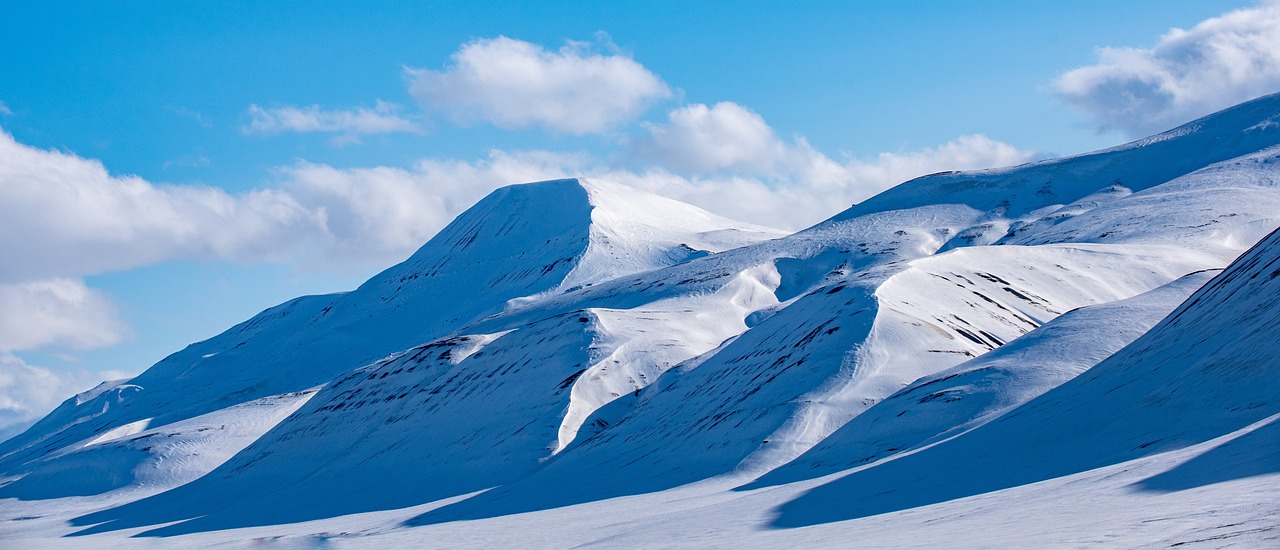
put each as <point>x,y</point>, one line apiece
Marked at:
<point>955,400</point>
<point>978,355</point>
<point>1207,370</point>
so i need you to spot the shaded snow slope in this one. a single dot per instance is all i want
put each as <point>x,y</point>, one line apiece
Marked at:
<point>148,460</point>
<point>454,416</point>
<point>955,400</point>
<point>769,395</point>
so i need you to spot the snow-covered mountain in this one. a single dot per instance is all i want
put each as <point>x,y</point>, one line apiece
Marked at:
<point>579,351</point>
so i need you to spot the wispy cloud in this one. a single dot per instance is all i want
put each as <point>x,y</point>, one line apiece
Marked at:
<point>350,124</point>
<point>188,161</point>
<point>4,109</point>
<point>515,84</point>
<point>1189,73</point>
<point>191,114</point>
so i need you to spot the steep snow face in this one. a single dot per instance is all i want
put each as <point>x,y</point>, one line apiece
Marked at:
<point>962,304</point>
<point>633,231</point>
<point>521,241</point>
<point>1206,370</point>
<point>638,345</point>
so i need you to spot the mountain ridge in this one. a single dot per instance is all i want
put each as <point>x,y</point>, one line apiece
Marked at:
<point>568,345</point>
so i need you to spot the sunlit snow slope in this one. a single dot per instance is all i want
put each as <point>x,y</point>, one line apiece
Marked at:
<point>1205,371</point>
<point>520,241</point>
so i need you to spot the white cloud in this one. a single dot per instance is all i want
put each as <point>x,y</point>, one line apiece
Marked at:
<point>812,192</point>
<point>28,392</point>
<point>57,313</point>
<point>968,152</point>
<point>65,216</point>
<point>735,164</point>
<point>388,212</point>
<point>1189,73</point>
<point>62,216</point>
<point>515,84</point>
<point>384,118</point>
<point>4,109</point>
<point>698,138</point>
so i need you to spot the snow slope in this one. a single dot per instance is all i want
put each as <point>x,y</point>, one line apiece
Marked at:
<point>146,460</point>
<point>955,400</point>
<point>1206,371</point>
<point>874,323</point>
<point>577,351</point>
<point>560,232</point>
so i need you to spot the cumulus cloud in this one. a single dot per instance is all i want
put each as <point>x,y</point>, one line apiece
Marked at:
<point>515,84</point>
<point>28,392</point>
<point>698,138</point>
<point>384,118</point>
<point>811,193</point>
<point>733,162</point>
<point>65,216</point>
<point>49,314</point>
<point>1189,73</point>
<point>388,212</point>
<point>57,313</point>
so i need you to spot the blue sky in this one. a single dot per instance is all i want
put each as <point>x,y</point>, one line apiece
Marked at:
<point>173,168</point>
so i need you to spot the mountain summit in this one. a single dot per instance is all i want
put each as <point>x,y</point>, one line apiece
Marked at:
<point>518,243</point>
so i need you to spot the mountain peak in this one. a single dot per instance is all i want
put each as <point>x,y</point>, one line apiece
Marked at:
<point>576,231</point>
